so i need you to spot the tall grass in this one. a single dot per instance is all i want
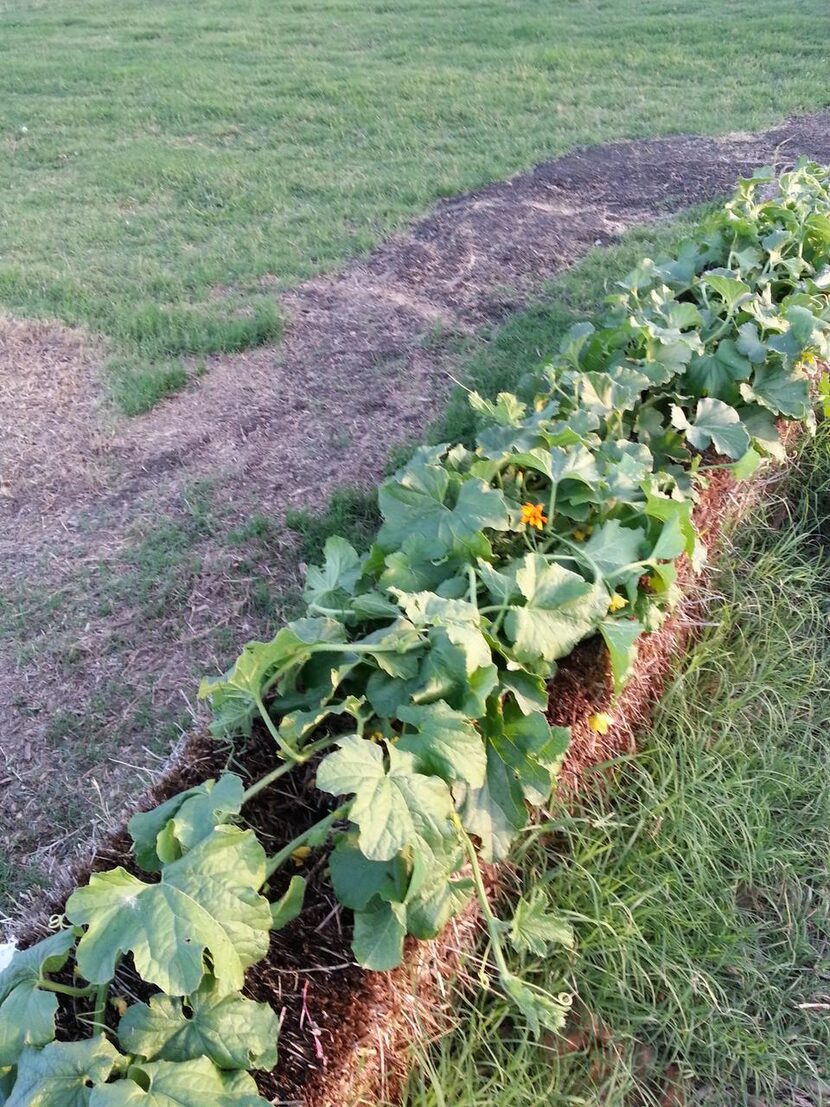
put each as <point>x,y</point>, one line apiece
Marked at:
<point>698,885</point>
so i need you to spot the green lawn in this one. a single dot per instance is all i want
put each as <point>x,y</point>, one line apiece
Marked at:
<point>170,166</point>
<point>698,887</point>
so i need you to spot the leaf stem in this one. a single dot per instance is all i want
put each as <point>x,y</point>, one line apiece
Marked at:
<point>320,827</point>
<point>493,924</point>
<point>554,487</point>
<point>471,576</point>
<point>64,989</point>
<point>356,647</point>
<point>581,555</point>
<point>334,612</point>
<point>288,766</point>
<point>288,751</point>
<point>99,1025</point>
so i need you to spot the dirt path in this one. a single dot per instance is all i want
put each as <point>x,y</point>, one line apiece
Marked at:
<point>133,553</point>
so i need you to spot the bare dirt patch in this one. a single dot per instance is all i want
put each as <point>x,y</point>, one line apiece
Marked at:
<point>120,579</point>
<point>48,408</point>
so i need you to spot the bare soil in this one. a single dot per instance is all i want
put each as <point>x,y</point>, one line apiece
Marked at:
<point>101,641</point>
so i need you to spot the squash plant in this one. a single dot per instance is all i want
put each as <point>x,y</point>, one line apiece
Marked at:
<point>417,680</point>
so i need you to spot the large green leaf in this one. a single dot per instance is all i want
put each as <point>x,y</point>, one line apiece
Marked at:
<point>625,465</point>
<point>620,637</point>
<point>234,1032</point>
<point>750,344</point>
<point>165,833</point>
<point>763,429</point>
<point>235,695</point>
<point>671,509</point>
<point>731,290</point>
<point>413,504</point>
<point>357,880</point>
<point>523,757</point>
<point>394,648</point>
<point>530,692</point>
<point>717,374</point>
<point>534,929</point>
<point>507,411</point>
<point>207,902</point>
<point>332,584</point>
<point>561,609</point>
<point>393,806</point>
<point>64,1074</point>
<point>574,463</point>
<point>670,542</point>
<point>416,564</point>
<point>613,548</point>
<point>429,911</point>
<point>436,891</point>
<point>445,744</point>
<point>458,664</point>
<point>604,393</point>
<point>27,1013</point>
<point>715,423</point>
<point>805,332</point>
<point>500,583</point>
<point>379,932</point>
<point>182,1084</point>
<point>781,391</point>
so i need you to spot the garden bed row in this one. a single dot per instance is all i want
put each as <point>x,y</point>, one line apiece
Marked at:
<point>346,1033</point>
<point>512,625</point>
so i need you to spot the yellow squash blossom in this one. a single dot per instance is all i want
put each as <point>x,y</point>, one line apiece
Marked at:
<point>618,602</point>
<point>600,723</point>
<point>533,515</point>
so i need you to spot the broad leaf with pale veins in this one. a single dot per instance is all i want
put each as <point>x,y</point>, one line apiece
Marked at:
<point>64,1074</point>
<point>613,548</point>
<point>182,1084</point>
<point>561,608</point>
<point>331,584</point>
<point>356,879</point>
<point>393,807</point>
<point>27,1013</point>
<point>235,695</point>
<point>233,1032</point>
<point>781,391</point>
<point>207,902</point>
<point>414,503</point>
<point>165,833</point>
<point>524,753</point>
<point>716,424</point>
<point>445,744</point>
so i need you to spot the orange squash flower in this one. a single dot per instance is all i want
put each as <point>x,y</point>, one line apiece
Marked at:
<point>533,515</point>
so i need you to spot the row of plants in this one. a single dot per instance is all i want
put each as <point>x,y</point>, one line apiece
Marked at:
<point>417,680</point>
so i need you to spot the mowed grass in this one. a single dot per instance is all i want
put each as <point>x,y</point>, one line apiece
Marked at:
<point>170,167</point>
<point>698,884</point>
